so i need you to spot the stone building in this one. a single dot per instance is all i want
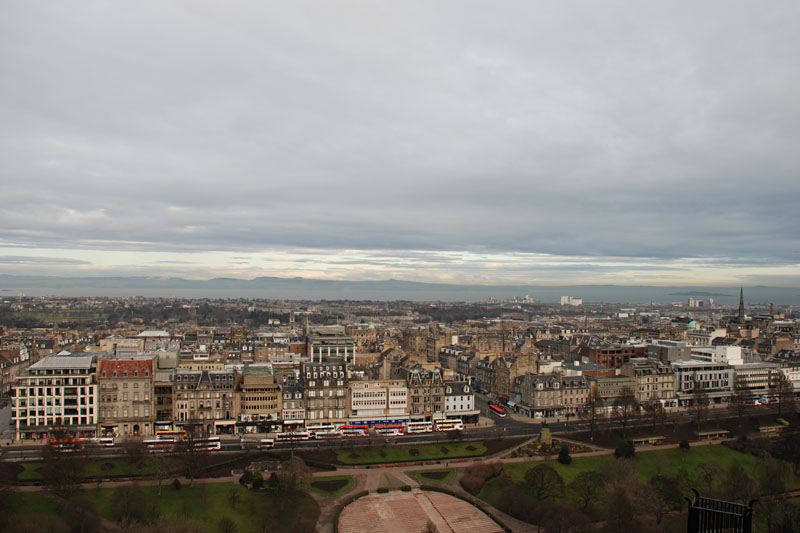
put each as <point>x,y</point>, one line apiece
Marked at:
<point>204,400</point>
<point>258,400</point>
<point>425,393</point>
<point>325,389</point>
<point>126,402</point>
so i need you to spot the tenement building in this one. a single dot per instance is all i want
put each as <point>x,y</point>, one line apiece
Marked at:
<point>325,388</point>
<point>204,401</point>
<point>126,402</point>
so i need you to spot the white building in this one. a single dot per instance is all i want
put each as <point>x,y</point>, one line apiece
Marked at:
<point>570,300</point>
<point>459,400</point>
<point>378,401</point>
<point>719,354</point>
<point>60,391</point>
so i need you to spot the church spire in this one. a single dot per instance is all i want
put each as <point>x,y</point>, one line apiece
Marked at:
<point>741,305</point>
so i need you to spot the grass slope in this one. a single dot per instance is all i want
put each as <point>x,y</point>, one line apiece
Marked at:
<point>250,514</point>
<point>649,464</point>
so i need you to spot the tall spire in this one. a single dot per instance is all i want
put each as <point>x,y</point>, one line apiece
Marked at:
<point>741,305</point>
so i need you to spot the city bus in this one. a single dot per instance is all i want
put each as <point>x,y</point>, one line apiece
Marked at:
<point>354,431</point>
<point>171,434</point>
<point>208,443</point>
<point>103,441</point>
<point>419,427</point>
<point>292,436</point>
<point>389,429</point>
<point>159,445</point>
<point>497,410</point>
<point>266,444</point>
<point>322,431</point>
<point>448,424</point>
<point>67,445</point>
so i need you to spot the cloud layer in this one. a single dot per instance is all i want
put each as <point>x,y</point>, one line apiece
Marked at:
<point>609,138</point>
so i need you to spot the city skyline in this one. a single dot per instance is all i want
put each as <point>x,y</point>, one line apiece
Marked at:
<point>526,144</point>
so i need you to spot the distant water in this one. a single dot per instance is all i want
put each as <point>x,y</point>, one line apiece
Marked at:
<point>422,292</point>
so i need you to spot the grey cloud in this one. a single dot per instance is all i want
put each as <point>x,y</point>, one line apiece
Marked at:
<point>32,260</point>
<point>637,131</point>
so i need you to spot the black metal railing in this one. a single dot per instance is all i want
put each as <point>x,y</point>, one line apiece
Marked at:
<point>707,515</point>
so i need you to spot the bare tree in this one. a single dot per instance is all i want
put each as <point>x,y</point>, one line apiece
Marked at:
<point>699,404</point>
<point>625,408</point>
<point>655,412</point>
<point>161,466</point>
<point>192,450</point>
<point>64,459</point>
<point>784,394</point>
<point>544,483</point>
<point>739,398</point>
<point>591,412</point>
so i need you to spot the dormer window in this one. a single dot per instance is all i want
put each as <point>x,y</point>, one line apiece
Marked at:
<point>136,373</point>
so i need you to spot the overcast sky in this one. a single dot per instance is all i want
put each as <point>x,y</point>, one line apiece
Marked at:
<point>484,142</point>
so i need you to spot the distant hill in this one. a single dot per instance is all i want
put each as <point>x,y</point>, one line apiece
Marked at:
<point>316,289</point>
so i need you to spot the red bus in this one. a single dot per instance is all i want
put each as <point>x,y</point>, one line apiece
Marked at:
<point>497,410</point>
<point>389,429</point>
<point>354,431</point>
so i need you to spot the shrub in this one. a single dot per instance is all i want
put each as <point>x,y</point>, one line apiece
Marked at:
<point>684,445</point>
<point>563,455</point>
<point>382,490</point>
<point>247,478</point>
<point>625,450</point>
<point>176,484</point>
<point>258,481</point>
<point>476,475</point>
<point>406,488</point>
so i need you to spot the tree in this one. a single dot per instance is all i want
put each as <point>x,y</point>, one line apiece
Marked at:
<point>586,488</point>
<point>192,450</point>
<point>739,398</point>
<point>784,394</point>
<point>227,525</point>
<point>134,449</point>
<point>666,495</point>
<point>161,466</point>
<point>591,412</point>
<point>64,460</point>
<point>699,404</point>
<point>737,485</point>
<point>544,483</point>
<point>563,455</point>
<point>131,504</point>
<point>655,412</point>
<point>625,408</point>
<point>625,450</point>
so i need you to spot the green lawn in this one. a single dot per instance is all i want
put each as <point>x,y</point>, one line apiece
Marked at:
<point>252,511</point>
<point>649,464</point>
<point>351,482</point>
<point>423,475</point>
<point>398,454</point>
<point>18,504</point>
<point>118,467</point>
<point>29,472</point>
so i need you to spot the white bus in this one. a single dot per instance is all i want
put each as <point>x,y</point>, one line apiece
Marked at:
<point>448,424</point>
<point>419,427</point>
<point>266,444</point>
<point>103,441</point>
<point>292,436</point>
<point>159,445</point>
<point>322,431</point>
